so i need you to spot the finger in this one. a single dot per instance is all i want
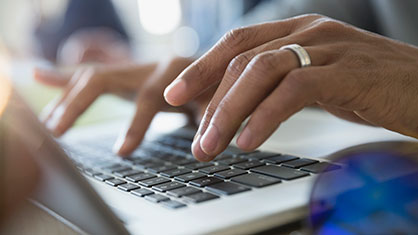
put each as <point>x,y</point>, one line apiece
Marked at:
<point>83,94</point>
<point>235,69</point>
<point>51,77</point>
<point>148,105</point>
<point>299,88</point>
<point>232,73</point>
<point>259,78</point>
<point>53,106</point>
<point>210,68</point>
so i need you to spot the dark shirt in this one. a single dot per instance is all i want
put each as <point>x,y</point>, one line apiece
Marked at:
<point>80,14</point>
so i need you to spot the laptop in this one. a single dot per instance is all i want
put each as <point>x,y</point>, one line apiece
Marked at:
<point>161,189</point>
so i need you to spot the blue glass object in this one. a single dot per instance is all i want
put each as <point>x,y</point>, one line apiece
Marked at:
<point>376,192</point>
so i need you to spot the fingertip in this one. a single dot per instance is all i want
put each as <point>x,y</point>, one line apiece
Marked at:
<point>174,93</point>
<point>245,140</point>
<point>198,153</point>
<point>124,147</point>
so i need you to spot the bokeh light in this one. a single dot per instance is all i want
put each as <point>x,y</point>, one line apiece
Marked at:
<point>185,42</point>
<point>160,16</point>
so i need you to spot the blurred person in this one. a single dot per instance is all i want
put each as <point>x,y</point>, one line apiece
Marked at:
<point>90,31</point>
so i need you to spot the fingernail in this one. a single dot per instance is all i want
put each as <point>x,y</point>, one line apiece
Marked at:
<point>197,150</point>
<point>210,140</point>
<point>245,138</point>
<point>174,90</point>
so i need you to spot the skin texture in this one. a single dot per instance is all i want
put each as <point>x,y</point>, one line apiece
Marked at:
<point>143,83</point>
<point>355,75</point>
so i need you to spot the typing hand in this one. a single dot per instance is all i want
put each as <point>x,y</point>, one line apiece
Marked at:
<point>356,75</point>
<point>145,82</point>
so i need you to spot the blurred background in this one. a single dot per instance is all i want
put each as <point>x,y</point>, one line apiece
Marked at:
<point>153,28</point>
<point>70,33</point>
<point>49,33</point>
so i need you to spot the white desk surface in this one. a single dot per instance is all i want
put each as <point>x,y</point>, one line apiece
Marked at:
<point>309,133</point>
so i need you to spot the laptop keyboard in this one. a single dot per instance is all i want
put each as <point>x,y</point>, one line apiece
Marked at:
<point>164,171</point>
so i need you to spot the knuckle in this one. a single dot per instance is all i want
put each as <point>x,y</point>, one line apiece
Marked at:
<point>264,61</point>
<point>236,37</point>
<point>267,112</point>
<point>327,26</point>
<point>210,111</point>
<point>296,81</point>
<point>311,16</point>
<point>238,64</point>
<point>224,109</point>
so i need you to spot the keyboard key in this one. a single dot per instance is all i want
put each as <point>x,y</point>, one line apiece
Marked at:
<point>299,163</point>
<point>214,169</point>
<point>183,191</point>
<point>199,197</point>
<point>224,156</point>
<point>127,173</point>
<point>142,192</point>
<point>226,188</point>
<point>138,177</point>
<point>179,160</point>
<point>111,166</point>
<point>103,177</point>
<point>115,182</point>
<point>255,180</point>
<point>198,165</point>
<point>205,181</point>
<point>249,165</point>
<point>128,187</point>
<point>231,161</point>
<point>184,161</point>
<point>172,204</point>
<point>175,172</point>
<point>190,176</point>
<point>232,150</point>
<point>119,169</point>
<point>280,172</point>
<point>144,163</point>
<point>168,186</point>
<point>156,198</point>
<point>91,172</point>
<point>160,168</point>
<point>230,173</point>
<point>260,155</point>
<point>280,159</point>
<point>320,167</point>
<point>153,181</point>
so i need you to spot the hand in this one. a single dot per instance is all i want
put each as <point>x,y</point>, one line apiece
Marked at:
<point>100,45</point>
<point>356,75</point>
<point>146,82</point>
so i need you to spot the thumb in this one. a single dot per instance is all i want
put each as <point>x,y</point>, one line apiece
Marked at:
<point>51,77</point>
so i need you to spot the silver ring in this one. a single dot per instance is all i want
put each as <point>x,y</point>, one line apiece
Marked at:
<point>301,53</point>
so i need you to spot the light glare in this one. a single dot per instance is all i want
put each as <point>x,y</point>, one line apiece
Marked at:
<point>159,16</point>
